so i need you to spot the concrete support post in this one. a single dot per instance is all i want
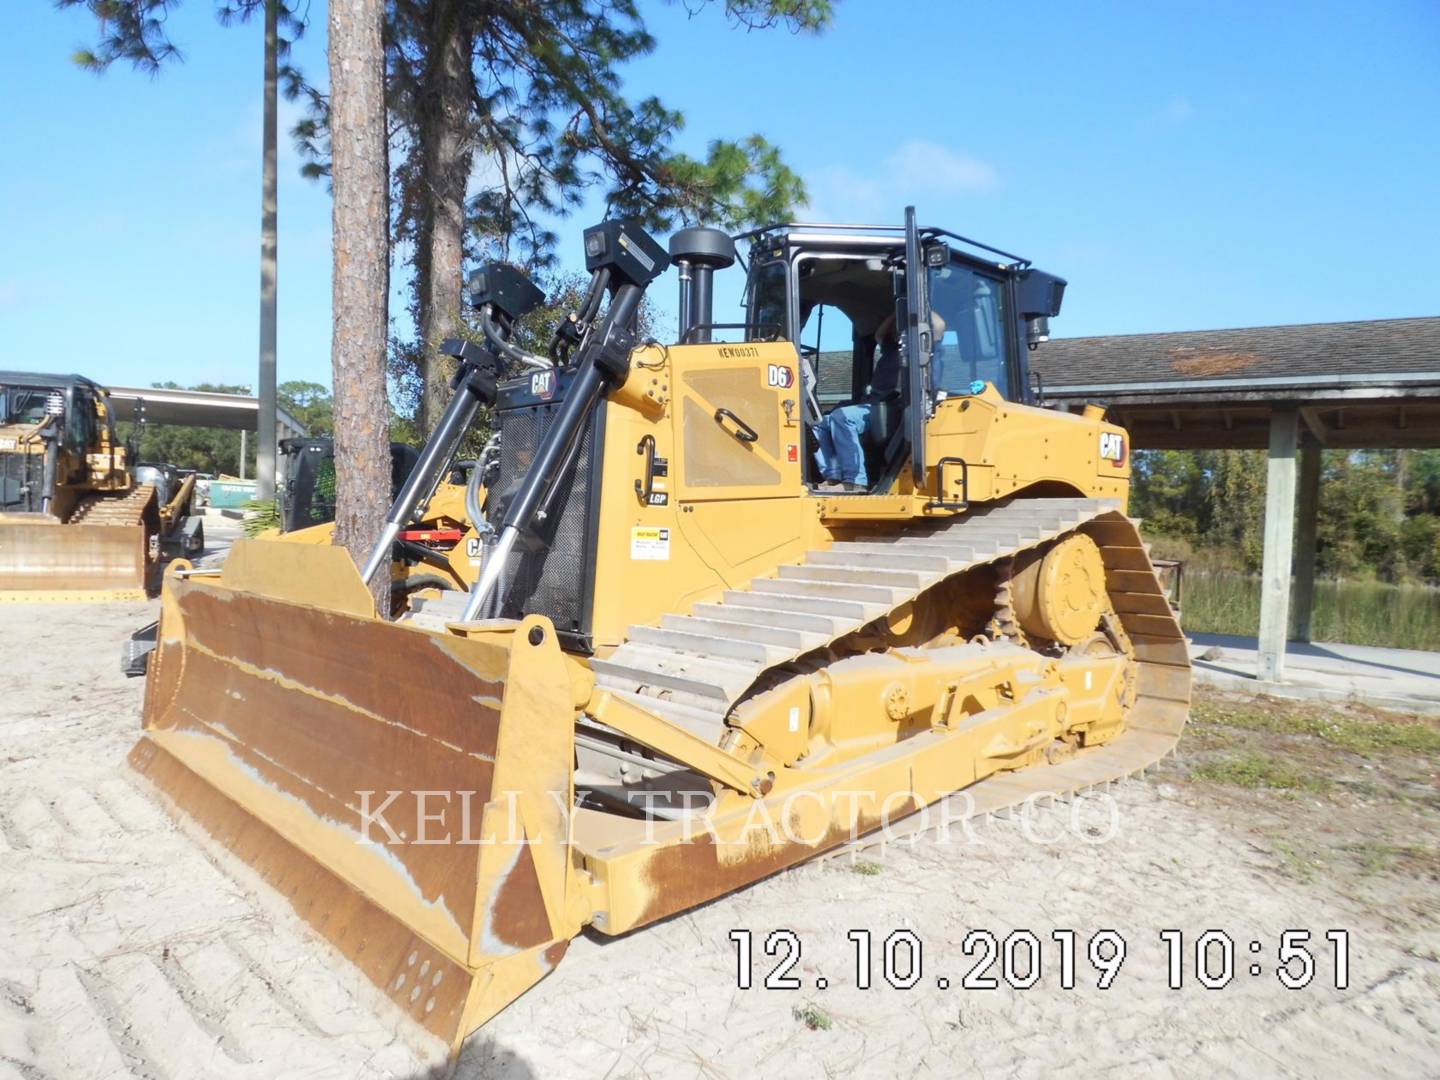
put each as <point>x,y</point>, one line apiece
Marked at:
<point>1279,544</point>
<point>1305,535</point>
<point>244,450</point>
<point>269,233</point>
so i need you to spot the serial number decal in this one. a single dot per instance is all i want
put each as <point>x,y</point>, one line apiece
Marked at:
<point>1022,958</point>
<point>741,351</point>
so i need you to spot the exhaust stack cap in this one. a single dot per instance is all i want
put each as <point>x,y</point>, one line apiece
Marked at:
<point>698,252</point>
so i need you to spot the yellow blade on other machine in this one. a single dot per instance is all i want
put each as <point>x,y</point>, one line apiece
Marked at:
<point>408,791</point>
<point>50,561</point>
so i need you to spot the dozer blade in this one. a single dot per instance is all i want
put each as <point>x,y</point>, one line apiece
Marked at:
<point>49,561</point>
<point>408,791</point>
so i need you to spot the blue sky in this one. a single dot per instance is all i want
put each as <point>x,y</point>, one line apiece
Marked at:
<point>1185,165</point>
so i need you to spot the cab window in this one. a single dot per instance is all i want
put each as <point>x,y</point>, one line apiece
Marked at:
<point>24,405</point>
<point>768,304</point>
<point>973,346</point>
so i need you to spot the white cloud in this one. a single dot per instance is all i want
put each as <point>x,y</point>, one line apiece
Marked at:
<point>926,166</point>
<point>915,170</point>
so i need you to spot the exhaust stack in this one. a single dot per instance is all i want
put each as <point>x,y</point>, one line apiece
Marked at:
<point>698,252</point>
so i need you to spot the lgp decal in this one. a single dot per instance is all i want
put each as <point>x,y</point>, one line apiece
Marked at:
<point>1112,448</point>
<point>779,376</point>
<point>542,384</point>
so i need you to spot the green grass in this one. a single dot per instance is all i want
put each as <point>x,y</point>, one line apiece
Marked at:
<point>1378,858</point>
<point>869,869</point>
<point>1296,863</point>
<point>260,516</point>
<point>1255,770</point>
<point>1356,733</point>
<point>812,1016</point>
<point>1354,612</point>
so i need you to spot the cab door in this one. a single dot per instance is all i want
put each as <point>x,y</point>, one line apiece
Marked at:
<point>919,348</point>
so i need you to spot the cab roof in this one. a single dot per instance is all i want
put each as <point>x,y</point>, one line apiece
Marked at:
<point>49,382</point>
<point>878,237</point>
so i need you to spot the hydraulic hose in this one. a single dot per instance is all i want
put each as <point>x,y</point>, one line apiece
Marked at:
<point>435,457</point>
<point>596,292</point>
<point>494,337</point>
<point>473,510</point>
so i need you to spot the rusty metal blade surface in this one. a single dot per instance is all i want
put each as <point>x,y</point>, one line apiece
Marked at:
<point>54,557</point>
<point>311,719</point>
<point>353,763</point>
<point>416,976</point>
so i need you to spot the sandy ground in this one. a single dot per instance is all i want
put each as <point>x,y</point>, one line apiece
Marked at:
<point>127,949</point>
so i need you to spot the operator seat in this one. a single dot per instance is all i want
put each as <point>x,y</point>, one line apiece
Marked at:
<point>885,432</point>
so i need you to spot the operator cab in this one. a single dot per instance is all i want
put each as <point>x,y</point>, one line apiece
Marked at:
<point>837,292</point>
<point>48,424</point>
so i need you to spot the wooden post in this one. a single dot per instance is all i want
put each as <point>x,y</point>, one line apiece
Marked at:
<point>1305,535</point>
<point>1279,544</point>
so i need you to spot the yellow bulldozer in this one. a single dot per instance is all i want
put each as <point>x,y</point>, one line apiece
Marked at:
<point>681,659</point>
<point>79,520</point>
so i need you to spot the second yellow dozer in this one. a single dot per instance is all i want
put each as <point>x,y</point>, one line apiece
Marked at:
<point>681,661</point>
<point>76,522</point>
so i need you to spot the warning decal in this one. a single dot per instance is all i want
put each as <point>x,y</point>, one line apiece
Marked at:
<point>649,543</point>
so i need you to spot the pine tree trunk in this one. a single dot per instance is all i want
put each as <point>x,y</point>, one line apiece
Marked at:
<point>360,288</point>
<point>447,151</point>
<point>269,261</point>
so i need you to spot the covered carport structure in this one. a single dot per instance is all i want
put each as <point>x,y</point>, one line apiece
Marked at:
<point>1291,390</point>
<point>199,408</point>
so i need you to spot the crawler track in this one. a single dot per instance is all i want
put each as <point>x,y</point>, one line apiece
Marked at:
<point>107,509</point>
<point>693,669</point>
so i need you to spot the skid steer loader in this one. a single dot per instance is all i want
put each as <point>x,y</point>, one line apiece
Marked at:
<point>679,665</point>
<point>76,523</point>
<point>426,553</point>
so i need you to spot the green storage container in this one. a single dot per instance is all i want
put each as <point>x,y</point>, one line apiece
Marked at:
<point>230,494</point>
